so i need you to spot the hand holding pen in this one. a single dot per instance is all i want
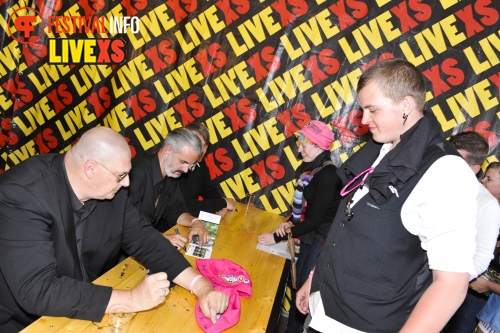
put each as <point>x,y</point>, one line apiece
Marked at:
<point>177,240</point>
<point>178,233</point>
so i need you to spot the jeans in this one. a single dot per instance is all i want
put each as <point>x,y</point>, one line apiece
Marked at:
<point>464,320</point>
<point>490,313</point>
<point>307,260</point>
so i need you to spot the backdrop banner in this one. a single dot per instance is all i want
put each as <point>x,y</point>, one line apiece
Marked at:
<point>253,71</point>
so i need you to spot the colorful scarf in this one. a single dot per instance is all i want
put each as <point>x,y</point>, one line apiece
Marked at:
<point>298,205</point>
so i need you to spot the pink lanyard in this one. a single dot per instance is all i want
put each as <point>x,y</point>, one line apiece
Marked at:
<point>345,190</point>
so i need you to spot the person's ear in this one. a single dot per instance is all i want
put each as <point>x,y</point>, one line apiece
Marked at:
<point>88,168</point>
<point>167,150</point>
<point>475,168</point>
<point>408,104</point>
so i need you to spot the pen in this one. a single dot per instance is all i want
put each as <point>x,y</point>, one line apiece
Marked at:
<point>178,233</point>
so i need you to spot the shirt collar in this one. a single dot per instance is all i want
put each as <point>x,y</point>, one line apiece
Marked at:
<point>156,168</point>
<point>76,204</point>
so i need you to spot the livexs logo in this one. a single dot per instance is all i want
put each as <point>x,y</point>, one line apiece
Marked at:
<point>86,51</point>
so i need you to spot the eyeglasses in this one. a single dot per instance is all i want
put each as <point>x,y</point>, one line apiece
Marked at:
<point>119,178</point>
<point>346,189</point>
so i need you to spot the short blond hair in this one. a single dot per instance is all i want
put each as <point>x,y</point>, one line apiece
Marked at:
<point>397,78</point>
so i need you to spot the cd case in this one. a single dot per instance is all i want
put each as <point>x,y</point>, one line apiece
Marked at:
<point>211,222</point>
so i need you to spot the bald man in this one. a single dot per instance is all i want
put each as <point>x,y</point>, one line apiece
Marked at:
<point>63,220</point>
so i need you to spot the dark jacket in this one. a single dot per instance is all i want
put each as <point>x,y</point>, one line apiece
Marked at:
<point>40,273</point>
<point>197,183</point>
<point>145,177</point>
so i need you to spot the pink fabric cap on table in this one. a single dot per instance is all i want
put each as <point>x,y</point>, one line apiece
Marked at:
<point>226,274</point>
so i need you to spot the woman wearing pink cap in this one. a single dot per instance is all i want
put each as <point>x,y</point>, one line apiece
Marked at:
<point>315,203</point>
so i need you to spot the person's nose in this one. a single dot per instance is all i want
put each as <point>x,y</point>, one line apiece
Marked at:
<point>185,168</point>
<point>366,118</point>
<point>125,182</point>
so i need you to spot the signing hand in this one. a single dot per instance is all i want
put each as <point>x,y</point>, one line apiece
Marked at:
<point>213,302</point>
<point>150,292</point>
<point>177,240</point>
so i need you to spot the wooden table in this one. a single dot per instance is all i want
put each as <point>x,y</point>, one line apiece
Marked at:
<point>236,240</point>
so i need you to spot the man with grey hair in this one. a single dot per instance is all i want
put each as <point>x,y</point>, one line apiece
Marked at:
<point>63,221</point>
<point>197,183</point>
<point>156,192</point>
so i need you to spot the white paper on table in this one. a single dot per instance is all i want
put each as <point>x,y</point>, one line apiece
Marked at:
<point>279,249</point>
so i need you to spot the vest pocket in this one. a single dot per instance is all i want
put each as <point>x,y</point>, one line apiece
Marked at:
<point>361,286</point>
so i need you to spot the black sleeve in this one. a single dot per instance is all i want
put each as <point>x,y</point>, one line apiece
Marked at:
<point>149,247</point>
<point>198,184</point>
<point>175,205</point>
<point>28,265</point>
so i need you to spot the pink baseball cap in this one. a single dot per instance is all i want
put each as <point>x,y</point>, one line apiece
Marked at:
<point>319,134</point>
<point>229,318</point>
<point>226,274</point>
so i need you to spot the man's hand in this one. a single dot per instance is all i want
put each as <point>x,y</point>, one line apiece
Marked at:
<point>198,228</point>
<point>223,212</point>
<point>230,204</point>
<point>177,240</point>
<point>302,297</point>
<point>212,302</point>
<point>150,292</point>
<point>230,207</point>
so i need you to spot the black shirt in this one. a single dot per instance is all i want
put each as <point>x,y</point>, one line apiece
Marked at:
<point>147,185</point>
<point>197,183</point>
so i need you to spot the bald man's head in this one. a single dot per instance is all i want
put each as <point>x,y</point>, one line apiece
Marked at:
<point>101,144</point>
<point>98,164</point>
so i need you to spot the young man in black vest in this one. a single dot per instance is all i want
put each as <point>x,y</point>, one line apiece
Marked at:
<point>398,256</point>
